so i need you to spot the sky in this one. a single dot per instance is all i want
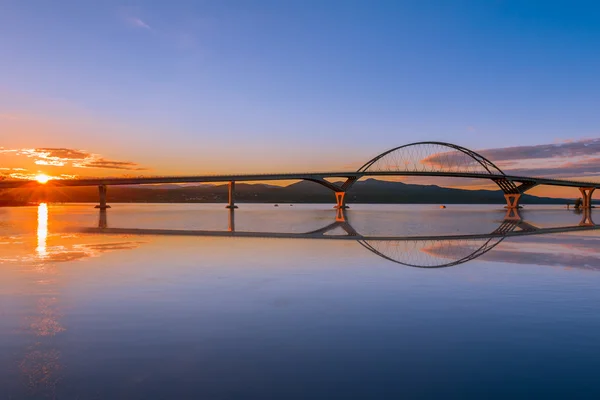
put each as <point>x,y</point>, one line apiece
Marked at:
<point>193,87</point>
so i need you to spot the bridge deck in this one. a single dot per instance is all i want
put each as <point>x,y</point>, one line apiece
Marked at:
<point>12,184</point>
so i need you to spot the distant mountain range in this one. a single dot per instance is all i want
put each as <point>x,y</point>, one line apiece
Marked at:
<point>367,191</point>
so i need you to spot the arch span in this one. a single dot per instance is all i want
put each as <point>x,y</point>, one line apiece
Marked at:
<point>445,159</point>
<point>430,157</point>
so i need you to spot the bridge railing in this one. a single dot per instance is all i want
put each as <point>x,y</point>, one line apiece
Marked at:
<point>298,176</point>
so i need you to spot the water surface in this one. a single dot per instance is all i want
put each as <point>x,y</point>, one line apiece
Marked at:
<point>94,313</point>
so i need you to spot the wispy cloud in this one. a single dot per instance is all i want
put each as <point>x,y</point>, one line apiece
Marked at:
<point>137,23</point>
<point>109,164</point>
<point>565,159</point>
<point>570,149</point>
<point>61,157</point>
<point>8,117</point>
<point>14,173</point>
<point>181,34</point>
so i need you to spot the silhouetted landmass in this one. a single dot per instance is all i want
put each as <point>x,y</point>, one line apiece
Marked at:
<point>368,191</point>
<point>16,203</point>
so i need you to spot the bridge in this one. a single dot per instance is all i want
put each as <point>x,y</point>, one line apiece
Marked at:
<point>420,251</point>
<point>435,159</point>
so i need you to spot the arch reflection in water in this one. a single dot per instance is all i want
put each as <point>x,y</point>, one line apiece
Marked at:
<point>432,253</point>
<point>421,251</point>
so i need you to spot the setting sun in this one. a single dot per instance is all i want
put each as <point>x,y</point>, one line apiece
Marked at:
<point>41,178</point>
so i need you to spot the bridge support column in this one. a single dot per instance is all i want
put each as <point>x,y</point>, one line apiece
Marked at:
<point>102,192</point>
<point>231,205</point>
<point>512,200</point>
<point>586,193</point>
<point>340,199</point>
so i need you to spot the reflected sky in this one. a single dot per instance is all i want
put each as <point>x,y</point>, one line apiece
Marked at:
<point>440,238</point>
<point>114,314</point>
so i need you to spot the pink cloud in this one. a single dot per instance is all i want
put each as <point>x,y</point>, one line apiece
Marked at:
<point>60,157</point>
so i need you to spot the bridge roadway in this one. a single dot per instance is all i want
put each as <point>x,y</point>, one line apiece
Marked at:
<point>14,184</point>
<point>512,197</point>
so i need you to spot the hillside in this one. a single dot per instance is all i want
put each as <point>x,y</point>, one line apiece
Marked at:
<point>368,191</point>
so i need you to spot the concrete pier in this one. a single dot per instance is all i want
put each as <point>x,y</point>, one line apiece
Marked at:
<point>512,200</point>
<point>340,199</point>
<point>231,204</point>
<point>586,193</point>
<point>102,192</point>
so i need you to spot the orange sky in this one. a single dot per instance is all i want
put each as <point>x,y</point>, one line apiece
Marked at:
<point>41,142</point>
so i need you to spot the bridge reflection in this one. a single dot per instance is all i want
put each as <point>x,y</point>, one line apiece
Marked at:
<point>421,251</point>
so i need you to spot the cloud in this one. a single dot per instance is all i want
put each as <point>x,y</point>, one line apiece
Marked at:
<point>108,164</point>
<point>137,22</point>
<point>63,153</point>
<point>579,148</point>
<point>9,117</point>
<point>60,157</point>
<point>13,173</point>
<point>576,158</point>
<point>581,168</point>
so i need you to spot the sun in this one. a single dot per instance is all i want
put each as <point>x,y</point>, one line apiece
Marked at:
<point>42,178</point>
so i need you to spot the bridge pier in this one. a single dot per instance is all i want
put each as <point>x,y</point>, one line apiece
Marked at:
<point>102,192</point>
<point>586,193</point>
<point>340,199</point>
<point>231,205</point>
<point>512,200</point>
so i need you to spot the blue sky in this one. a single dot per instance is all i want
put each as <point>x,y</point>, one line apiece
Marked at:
<point>262,85</point>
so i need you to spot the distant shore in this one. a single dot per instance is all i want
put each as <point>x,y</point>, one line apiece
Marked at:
<point>291,203</point>
<point>18,203</point>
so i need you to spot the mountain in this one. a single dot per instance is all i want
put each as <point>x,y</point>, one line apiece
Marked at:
<point>367,191</point>
<point>183,185</point>
<point>171,185</point>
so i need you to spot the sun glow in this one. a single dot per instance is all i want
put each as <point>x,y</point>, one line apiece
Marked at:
<point>41,178</point>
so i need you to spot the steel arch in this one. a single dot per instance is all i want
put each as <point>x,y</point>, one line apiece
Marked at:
<point>489,166</point>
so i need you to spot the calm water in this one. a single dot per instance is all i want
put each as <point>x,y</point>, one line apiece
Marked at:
<point>157,305</point>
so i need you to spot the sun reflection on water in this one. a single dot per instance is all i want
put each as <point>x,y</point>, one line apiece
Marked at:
<point>42,230</point>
